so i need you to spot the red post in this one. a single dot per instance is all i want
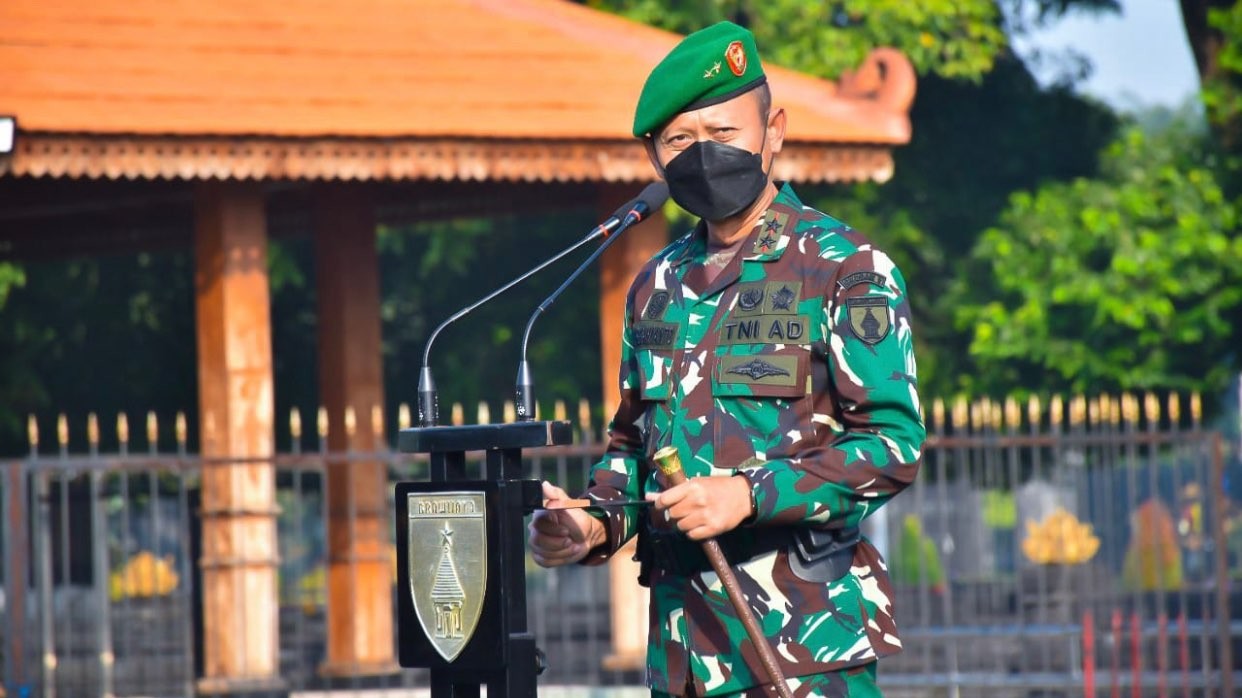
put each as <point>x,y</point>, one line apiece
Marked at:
<point>1136,657</point>
<point>1088,654</point>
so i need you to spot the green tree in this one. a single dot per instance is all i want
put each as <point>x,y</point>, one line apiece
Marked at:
<point>983,128</point>
<point>1123,281</point>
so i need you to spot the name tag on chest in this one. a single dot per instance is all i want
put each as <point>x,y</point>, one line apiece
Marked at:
<point>653,335</point>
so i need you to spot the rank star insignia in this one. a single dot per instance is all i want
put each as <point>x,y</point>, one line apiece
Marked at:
<point>773,226</point>
<point>712,71</point>
<point>758,368</point>
<point>766,243</point>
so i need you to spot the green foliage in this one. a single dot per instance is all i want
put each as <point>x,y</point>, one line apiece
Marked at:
<point>1222,94</point>
<point>917,560</point>
<point>1125,281</point>
<point>103,335</point>
<point>1004,134</point>
<point>11,276</point>
<point>952,38</point>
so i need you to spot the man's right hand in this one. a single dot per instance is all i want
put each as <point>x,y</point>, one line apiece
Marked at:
<point>562,536</point>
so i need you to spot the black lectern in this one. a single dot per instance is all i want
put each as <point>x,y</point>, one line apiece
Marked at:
<point>461,605</point>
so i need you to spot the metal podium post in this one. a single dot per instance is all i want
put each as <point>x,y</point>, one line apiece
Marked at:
<point>461,602</point>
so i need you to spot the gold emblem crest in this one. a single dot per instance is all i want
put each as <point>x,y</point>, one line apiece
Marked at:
<point>448,566</point>
<point>869,317</point>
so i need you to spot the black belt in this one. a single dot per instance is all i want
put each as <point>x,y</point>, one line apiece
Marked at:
<point>815,555</point>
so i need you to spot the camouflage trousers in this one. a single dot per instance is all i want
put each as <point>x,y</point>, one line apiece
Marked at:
<point>856,682</point>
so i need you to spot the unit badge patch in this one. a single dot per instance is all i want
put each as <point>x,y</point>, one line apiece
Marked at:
<point>750,298</point>
<point>736,55</point>
<point>869,317</point>
<point>656,306</point>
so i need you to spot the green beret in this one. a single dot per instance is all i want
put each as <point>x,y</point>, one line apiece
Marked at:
<point>710,66</point>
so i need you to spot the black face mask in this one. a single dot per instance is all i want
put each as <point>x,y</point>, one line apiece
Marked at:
<point>713,180</point>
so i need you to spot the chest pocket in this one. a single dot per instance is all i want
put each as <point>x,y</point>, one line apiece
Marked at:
<point>762,395</point>
<point>655,374</point>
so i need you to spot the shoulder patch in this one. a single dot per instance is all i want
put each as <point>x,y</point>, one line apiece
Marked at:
<point>863,277</point>
<point>869,318</point>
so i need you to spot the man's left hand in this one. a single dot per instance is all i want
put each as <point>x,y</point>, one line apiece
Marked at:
<point>705,507</point>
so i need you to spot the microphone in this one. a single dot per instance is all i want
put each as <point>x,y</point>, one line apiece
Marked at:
<point>428,399</point>
<point>650,199</point>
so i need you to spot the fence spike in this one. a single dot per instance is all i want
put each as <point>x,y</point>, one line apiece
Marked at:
<point>485,413</point>
<point>403,416</point>
<point>457,414</point>
<point>351,421</point>
<point>62,430</point>
<point>321,422</point>
<point>1077,410</point>
<point>1056,410</point>
<point>559,412</point>
<point>32,431</point>
<point>510,413</point>
<point>960,412</point>
<point>122,429</point>
<point>1130,408</point>
<point>92,429</point>
<point>377,421</point>
<point>180,428</point>
<point>1175,408</point>
<point>996,413</point>
<point>1196,406</point>
<point>295,423</point>
<point>1094,413</point>
<point>1113,406</point>
<point>938,413</point>
<point>538,411</point>
<point>153,428</point>
<point>1151,407</point>
<point>1013,415</point>
<point>1033,411</point>
<point>584,415</point>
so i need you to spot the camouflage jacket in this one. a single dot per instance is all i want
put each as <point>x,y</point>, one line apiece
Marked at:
<point>794,367</point>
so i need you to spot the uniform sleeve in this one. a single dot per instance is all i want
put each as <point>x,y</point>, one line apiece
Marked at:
<point>616,477</point>
<point>866,324</point>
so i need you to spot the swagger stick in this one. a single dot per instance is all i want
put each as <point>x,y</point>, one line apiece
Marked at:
<point>669,463</point>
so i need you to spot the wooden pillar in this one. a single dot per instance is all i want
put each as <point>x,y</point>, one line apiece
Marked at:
<point>240,612</point>
<point>351,380</point>
<point>618,267</point>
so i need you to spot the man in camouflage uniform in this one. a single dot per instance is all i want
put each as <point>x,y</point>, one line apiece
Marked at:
<point>772,346</point>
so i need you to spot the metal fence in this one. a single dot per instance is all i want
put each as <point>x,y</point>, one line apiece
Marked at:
<point>1078,547</point>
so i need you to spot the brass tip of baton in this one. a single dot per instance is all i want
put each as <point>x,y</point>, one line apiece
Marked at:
<point>668,460</point>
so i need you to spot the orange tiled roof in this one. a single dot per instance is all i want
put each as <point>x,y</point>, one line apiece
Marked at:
<point>506,69</point>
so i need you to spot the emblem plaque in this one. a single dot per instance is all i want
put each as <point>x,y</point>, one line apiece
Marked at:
<point>448,566</point>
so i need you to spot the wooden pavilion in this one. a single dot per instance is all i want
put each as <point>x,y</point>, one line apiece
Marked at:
<point>144,124</point>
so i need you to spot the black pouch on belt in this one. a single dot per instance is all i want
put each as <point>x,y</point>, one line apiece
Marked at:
<point>823,555</point>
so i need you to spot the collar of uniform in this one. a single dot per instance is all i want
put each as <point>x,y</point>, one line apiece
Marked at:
<point>766,242</point>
